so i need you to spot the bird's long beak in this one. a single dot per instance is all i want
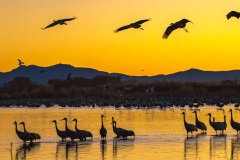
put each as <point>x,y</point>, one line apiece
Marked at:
<point>191,22</point>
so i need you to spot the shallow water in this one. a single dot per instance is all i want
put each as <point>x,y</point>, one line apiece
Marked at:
<point>160,134</point>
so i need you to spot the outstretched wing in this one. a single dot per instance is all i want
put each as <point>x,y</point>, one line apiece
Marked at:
<point>233,14</point>
<point>142,21</point>
<point>19,62</point>
<point>122,28</point>
<point>169,31</point>
<point>52,24</point>
<point>68,19</point>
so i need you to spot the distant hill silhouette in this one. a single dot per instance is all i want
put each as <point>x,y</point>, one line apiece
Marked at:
<point>60,71</point>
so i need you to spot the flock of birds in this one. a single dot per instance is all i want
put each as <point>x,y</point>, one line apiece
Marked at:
<point>78,134</point>
<point>217,126</point>
<point>82,135</point>
<point>137,25</point>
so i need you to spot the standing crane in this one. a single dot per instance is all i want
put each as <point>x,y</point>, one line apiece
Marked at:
<point>70,133</point>
<point>120,132</point>
<point>200,125</point>
<point>34,136</point>
<point>103,130</point>
<point>216,125</point>
<point>84,134</point>
<point>60,133</point>
<point>22,135</point>
<point>189,127</point>
<point>235,125</point>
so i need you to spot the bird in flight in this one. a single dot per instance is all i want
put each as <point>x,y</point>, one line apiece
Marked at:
<point>68,77</point>
<point>173,26</point>
<point>233,14</point>
<point>136,25</point>
<point>42,71</point>
<point>20,62</point>
<point>60,21</point>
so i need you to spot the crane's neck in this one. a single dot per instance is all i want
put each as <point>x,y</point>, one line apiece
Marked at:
<point>76,125</point>
<point>113,125</point>
<point>24,127</point>
<point>231,115</point>
<point>210,122</point>
<point>184,119</point>
<point>102,121</point>
<point>16,127</point>
<point>196,115</point>
<point>66,127</point>
<point>56,126</point>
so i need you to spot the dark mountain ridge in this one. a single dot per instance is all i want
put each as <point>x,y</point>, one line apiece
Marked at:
<point>60,71</point>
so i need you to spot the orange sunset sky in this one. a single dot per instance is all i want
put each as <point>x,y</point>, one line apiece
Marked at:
<point>212,43</point>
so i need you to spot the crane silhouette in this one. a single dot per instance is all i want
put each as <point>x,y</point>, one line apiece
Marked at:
<point>120,132</point>
<point>136,25</point>
<point>188,127</point>
<point>103,131</point>
<point>216,125</point>
<point>60,22</point>
<point>20,62</point>
<point>84,134</point>
<point>233,14</point>
<point>173,26</point>
<point>34,136</point>
<point>235,125</point>
<point>70,133</point>
<point>60,133</point>
<point>199,124</point>
<point>42,71</point>
<point>22,135</point>
<point>68,77</point>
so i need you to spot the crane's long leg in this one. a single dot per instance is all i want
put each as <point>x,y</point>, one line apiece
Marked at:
<point>185,29</point>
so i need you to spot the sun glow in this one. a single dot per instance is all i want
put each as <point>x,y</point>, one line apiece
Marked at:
<point>89,41</point>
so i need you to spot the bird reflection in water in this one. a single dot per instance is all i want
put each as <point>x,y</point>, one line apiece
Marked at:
<point>235,148</point>
<point>103,145</point>
<point>66,149</point>
<point>60,150</point>
<point>122,145</point>
<point>191,148</point>
<point>70,148</point>
<point>26,148</point>
<point>192,145</point>
<point>218,144</point>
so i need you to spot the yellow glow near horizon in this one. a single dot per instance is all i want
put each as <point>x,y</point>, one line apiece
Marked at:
<point>89,41</point>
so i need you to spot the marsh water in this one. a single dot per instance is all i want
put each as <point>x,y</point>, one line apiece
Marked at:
<point>160,134</point>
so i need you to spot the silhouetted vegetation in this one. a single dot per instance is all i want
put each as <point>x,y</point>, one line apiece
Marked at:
<point>113,87</point>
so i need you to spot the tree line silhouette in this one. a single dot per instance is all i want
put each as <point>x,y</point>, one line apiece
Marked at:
<point>113,87</point>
